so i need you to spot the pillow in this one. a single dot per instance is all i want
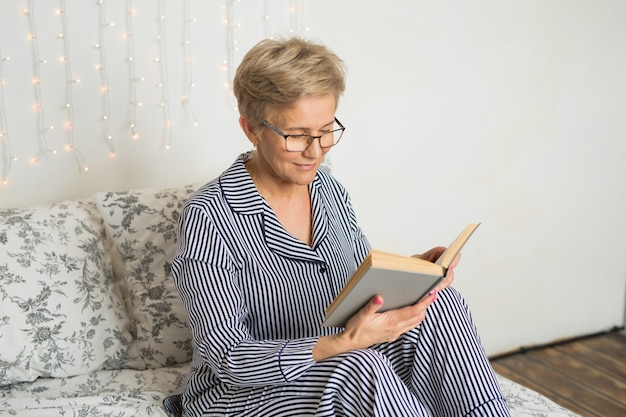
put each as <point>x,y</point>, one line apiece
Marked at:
<point>142,224</point>
<point>60,313</point>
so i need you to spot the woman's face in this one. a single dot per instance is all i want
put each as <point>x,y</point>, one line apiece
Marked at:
<point>312,116</point>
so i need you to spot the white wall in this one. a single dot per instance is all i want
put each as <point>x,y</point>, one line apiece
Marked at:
<point>508,113</point>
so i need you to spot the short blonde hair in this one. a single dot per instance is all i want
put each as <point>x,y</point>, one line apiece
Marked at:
<point>277,73</point>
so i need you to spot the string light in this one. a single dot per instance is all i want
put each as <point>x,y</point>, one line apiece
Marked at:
<point>130,42</point>
<point>104,77</point>
<point>7,156</point>
<point>38,106</point>
<point>69,89</point>
<point>163,84</point>
<point>296,10</point>
<point>231,48</point>
<point>188,83</point>
<point>228,62</point>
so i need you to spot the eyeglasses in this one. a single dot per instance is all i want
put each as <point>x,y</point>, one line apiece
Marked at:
<point>300,143</point>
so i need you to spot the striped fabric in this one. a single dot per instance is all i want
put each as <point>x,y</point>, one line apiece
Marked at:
<point>256,297</point>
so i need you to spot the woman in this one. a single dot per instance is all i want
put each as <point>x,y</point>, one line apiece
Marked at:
<point>263,250</point>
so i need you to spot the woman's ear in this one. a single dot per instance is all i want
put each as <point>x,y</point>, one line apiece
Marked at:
<point>248,129</point>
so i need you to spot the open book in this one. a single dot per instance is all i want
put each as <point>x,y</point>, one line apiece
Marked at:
<point>400,280</point>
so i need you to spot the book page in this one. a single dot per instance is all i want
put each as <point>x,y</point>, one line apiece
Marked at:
<point>450,253</point>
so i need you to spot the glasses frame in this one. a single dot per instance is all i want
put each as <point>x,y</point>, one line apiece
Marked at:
<point>311,137</point>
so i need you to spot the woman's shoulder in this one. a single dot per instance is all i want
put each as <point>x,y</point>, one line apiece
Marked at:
<point>230,187</point>
<point>208,191</point>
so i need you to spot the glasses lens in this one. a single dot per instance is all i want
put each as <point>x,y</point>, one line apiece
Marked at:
<point>331,138</point>
<point>327,138</point>
<point>297,143</point>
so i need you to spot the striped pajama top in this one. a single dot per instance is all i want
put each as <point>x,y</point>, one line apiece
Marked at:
<point>254,294</point>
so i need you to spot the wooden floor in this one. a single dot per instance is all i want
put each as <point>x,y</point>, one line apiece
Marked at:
<point>587,376</point>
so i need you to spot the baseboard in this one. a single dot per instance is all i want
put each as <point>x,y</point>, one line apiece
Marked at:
<point>523,349</point>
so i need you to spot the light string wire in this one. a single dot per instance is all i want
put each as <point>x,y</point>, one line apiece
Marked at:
<point>231,47</point>
<point>104,77</point>
<point>69,89</point>
<point>132,85</point>
<point>163,84</point>
<point>188,83</point>
<point>42,129</point>
<point>7,156</point>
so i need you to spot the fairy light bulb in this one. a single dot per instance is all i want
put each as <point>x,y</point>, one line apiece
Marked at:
<point>135,135</point>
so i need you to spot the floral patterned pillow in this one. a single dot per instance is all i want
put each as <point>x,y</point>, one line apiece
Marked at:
<point>143,225</point>
<point>60,312</point>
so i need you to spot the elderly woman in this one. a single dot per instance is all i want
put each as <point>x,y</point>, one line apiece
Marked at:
<point>264,248</point>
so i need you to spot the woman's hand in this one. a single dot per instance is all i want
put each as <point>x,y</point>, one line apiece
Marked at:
<point>368,327</point>
<point>432,256</point>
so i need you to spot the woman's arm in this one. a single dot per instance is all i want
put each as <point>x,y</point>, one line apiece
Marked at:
<point>205,274</point>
